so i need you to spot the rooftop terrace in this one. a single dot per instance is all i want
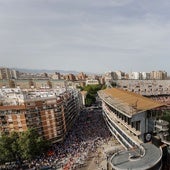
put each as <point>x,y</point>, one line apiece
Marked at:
<point>133,160</point>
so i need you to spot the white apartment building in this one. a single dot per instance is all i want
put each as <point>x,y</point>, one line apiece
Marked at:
<point>135,76</point>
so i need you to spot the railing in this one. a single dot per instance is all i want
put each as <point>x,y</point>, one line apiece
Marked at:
<point>113,115</point>
<point>124,129</point>
<point>162,123</point>
<point>161,128</point>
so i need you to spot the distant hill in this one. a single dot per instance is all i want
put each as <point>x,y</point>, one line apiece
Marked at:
<point>45,71</point>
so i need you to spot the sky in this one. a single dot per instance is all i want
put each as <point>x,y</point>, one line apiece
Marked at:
<point>85,35</point>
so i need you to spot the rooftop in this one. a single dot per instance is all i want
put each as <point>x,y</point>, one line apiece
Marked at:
<point>17,97</point>
<point>125,160</point>
<point>128,102</point>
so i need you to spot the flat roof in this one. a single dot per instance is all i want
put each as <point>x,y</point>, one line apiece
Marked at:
<point>150,158</point>
<point>129,102</point>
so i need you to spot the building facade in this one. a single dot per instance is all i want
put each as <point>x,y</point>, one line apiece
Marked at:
<point>146,87</point>
<point>5,73</point>
<point>131,119</point>
<point>51,114</point>
<point>135,76</point>
<point>158,75</point>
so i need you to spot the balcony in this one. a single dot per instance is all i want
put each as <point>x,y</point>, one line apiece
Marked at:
<point>161,125</point>
<point>161,128</point>
<point>126,130</point>
<point>129,127</point>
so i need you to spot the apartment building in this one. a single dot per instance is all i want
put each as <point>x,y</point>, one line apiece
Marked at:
<point>135,76</point>
<point>5,73</point>
<point>158,75</point>
<point>131,119</point>
<point>81,76</point>
<point>120,75</point>
<point>56,76</point>
<point>146,87</point>
<point>145,76</point>
<point>51,113</point>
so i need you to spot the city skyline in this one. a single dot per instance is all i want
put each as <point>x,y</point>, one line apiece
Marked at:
<point>91,36</point>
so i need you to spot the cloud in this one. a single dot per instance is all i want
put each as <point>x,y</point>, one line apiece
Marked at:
<point>67,33</point>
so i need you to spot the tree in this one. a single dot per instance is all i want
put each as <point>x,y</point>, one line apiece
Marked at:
<point>92,93</point>
<point>90,99</point>
<point>31,144</point>
<point>20,146</point>
<point>9,148</point>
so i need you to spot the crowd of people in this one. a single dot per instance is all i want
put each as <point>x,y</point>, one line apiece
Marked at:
<point>87,131</point>
<point>86,134</point>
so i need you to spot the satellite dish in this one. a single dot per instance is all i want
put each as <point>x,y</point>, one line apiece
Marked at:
<point>148,137</point>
